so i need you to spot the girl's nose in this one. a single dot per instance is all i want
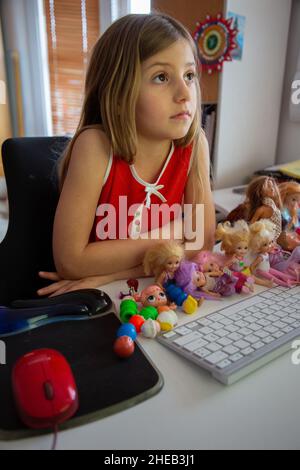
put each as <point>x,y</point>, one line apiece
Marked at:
<point>182,91</point>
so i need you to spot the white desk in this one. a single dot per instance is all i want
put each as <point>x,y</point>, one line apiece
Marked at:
<point>193,411</point>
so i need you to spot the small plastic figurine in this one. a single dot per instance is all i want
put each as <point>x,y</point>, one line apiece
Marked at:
<point>235,244</point>
<point>155,296</point>
<point>162,261</point>
<point>261,245</point>
<point>193,281</point>
<point>133,285</point>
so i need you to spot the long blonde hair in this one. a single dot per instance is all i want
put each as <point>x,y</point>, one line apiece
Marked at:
<point>113,81</point>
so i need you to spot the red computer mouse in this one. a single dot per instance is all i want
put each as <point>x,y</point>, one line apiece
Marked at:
<point>44,389</point>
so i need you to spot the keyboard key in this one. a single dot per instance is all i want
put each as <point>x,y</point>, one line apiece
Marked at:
<point>216,357</point>
<point>236,357</point>
<point>262,334</point>
<point>217,326</point>
<point>230,350</point>
<point>182,330</point>
<point>271,329</point>
<point>222,333</point>
<point>232,328</point>
<point>235,337</point>
<point>263,323</point>
<point>278,335</point>
<point>268,339</point>
<point>288,320</point>
<point>202,353</point>
<point>211,338</point>
<point>224,364</point>
<point>241,344</point>
<point>254,327</point>
<point>226,321</point>
<point>199,343</point>
<point>241,324</point>
<point>213,347</point>
<point>225,341</point>
<point>170,334</point>
<point>252,339</point>
<point>204,322</point>
<point>245,332</point>
<point>206,330</point>
<point>192,325</point>
<point>187,338</point>
<point>247,351</point>
<point>288,329</point>
<point>258,345</point>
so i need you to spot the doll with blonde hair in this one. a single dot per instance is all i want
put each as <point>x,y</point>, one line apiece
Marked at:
<point>262,238</point>
<point>163,260</point>
<point>235,244</point>
<point>290,195</point>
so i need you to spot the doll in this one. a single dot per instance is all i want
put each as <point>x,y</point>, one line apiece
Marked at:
<point>290,195</point>
<point>235,244</point>
<point>193,281</point>
<point>216,279</point>
<point>133,285</point>
<point>286,262</point>
<point>156,297</point>
<point>162,261</point>
<point>261,245</point>
<point>263,201</point>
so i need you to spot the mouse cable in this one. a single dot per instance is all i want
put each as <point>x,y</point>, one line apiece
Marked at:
<point>55,430</point>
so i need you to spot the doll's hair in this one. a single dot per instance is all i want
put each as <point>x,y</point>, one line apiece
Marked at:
<point>204,257</point>
<point>287,189</point>
<point>146,292</point>
<point>256,192</point>
<point>230,236</point>
<point>184,276</point>
<point>156,257</point>
<point>113,82</point>
<point>261,232</point>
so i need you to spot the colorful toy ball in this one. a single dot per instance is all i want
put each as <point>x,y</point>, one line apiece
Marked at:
<point>167,320</point>
<point>150,328</point>
<point>124,346</point>
<point>137,321</point>
<point>128,329</point>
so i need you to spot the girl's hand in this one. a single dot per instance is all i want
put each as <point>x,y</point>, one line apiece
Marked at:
<point>61,286</point>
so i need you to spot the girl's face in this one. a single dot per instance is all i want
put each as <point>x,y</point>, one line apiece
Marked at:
<point>156,299</point>
<point>172,264</point>
<point>167,100</point>
<point>270,190</point>
<point>241,248</point>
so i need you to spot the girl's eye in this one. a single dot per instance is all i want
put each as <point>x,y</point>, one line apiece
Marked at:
<point>162,295</point>
<point>190,76</point>
<point>151,298</point>
<point>161,78</point>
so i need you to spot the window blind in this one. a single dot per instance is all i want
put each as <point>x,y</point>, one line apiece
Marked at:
<point>72,30</point>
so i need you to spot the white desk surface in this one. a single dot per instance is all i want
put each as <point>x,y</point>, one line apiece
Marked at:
<point>193,411</point>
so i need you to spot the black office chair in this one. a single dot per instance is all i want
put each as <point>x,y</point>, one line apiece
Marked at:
<point>30,169</point>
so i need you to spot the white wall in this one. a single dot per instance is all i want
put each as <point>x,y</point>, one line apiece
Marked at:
<point>289,132</point>
<point>250,93</point>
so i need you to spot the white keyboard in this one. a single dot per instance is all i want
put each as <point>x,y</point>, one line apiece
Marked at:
<point>236,340</point>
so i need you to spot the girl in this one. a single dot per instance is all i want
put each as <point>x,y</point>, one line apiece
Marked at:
<point>139,136</point>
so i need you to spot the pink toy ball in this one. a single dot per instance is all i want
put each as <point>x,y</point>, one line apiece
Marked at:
<point>124,347</point>
<point>150,328</point>
<point>137,321</point>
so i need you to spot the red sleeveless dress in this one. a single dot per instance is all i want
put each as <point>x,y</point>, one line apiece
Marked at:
<point>129,206</point>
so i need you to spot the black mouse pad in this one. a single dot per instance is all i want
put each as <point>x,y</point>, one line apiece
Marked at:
<point>106,384</point>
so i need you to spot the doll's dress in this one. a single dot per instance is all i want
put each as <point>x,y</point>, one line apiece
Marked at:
<point>276,216</point>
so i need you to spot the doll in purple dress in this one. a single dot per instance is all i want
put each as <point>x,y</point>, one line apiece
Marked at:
<point>218,281</point>
<point>193,281</point>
